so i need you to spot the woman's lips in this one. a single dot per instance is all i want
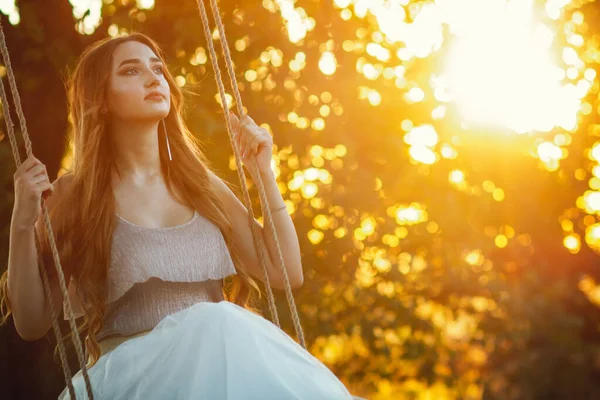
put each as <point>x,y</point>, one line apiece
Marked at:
<point>154,97</point>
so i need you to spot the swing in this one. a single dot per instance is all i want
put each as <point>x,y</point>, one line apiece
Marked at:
<point>241,175</point>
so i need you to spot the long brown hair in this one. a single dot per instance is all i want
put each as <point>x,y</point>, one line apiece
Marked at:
<point>84,217</point>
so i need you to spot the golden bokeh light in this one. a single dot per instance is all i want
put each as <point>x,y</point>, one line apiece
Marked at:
<point>297,22</point>
<point>592,236</point>
<point>591,289</point>
<point>572,243</point>
<point>328,63</point>
<point>474,257</point>
<point>501,241</point>
<point>315,236</point>
<point>412,214</point>
<point>9,8</point>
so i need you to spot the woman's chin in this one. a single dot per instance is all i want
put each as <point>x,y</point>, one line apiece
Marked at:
<point>158,110</point>
<point>155,116</point>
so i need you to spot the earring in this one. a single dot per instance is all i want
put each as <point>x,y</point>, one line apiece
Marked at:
<point>167,139</point>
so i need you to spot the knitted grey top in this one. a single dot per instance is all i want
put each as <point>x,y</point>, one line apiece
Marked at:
<point>155,272</point>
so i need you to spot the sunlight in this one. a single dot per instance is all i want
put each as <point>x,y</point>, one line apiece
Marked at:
<point>501,70</point>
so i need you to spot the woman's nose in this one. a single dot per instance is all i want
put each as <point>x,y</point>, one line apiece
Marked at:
<point>152,78</point>
<point>152,81</point>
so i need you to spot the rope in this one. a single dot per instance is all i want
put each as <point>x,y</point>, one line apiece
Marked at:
<point>260,185</point>
<point>50,233</point>
<point>247,202</point>
<point>17,157</point>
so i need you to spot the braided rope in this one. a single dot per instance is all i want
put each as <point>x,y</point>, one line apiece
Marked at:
<point>259,182</point>
<point>50,233</point>
<point>240,170</point>
<point>55,327</point>
<point>260,185</point>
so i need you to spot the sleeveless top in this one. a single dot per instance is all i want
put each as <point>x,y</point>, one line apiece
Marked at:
<point>155,272</point>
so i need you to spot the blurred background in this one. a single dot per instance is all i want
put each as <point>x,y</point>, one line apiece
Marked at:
<point>439,158</point>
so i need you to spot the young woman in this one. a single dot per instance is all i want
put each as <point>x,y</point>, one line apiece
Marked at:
<point>147,235</point>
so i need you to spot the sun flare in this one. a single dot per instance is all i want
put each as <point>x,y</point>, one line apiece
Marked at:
<point>503,70</point>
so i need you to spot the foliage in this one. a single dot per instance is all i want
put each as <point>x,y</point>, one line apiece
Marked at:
<point>445,255</point>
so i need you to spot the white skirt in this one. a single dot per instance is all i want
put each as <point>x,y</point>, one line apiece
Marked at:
<point>211,351</point>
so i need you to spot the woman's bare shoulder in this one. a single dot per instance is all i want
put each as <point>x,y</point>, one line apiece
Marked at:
<point>61,186</point>
<point>65,180</point>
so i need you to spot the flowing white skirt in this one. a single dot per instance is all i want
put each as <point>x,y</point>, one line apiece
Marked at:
<point>212,351</point>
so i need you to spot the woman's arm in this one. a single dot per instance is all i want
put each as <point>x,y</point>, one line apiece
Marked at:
<point>29,305</point>
<point>284,227</point>
<point>25,289</point>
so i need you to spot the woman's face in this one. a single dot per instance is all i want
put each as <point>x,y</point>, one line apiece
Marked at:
<point>137,88</point>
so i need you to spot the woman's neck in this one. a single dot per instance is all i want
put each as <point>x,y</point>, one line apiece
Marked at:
<point>136,149</point>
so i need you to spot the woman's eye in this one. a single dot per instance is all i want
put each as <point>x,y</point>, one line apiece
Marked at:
<point>158,70</point>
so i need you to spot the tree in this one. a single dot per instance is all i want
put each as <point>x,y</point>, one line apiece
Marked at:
<point>442,255</point>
